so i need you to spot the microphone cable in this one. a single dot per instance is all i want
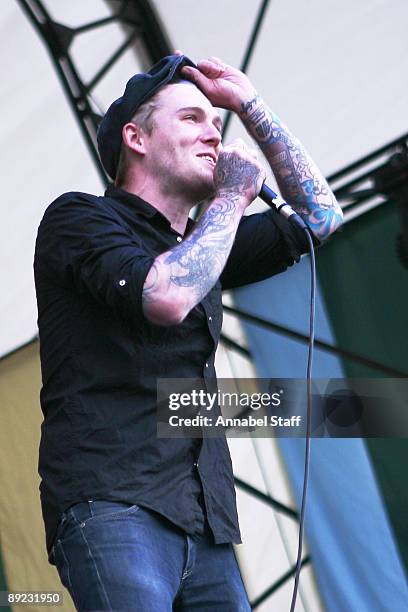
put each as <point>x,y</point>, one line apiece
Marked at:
<point>308,416</point>
<point>276,202</point>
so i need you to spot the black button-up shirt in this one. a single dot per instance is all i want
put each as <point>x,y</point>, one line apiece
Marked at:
<point>101,358</point>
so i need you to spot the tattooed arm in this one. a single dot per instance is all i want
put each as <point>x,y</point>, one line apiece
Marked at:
<point>180,278</point>
<point>299,180</point>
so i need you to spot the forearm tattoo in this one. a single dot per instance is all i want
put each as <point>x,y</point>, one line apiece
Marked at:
<point>299,179</point>
<point>199,260</point>
<point>201,257</point>
<point>261,124</point>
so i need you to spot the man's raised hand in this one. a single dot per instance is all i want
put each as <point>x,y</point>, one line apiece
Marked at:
<point>225,86</point>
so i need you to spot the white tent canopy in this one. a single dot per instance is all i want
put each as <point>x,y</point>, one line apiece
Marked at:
<point>332,71</point>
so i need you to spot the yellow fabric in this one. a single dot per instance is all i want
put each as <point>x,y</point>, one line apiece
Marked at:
<point>22,532</point>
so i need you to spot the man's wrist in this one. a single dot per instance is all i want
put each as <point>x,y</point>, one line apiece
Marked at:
<point>248,102</point>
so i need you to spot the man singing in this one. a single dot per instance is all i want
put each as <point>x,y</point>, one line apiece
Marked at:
<point>129,291</point>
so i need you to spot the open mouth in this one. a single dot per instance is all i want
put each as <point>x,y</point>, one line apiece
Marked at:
<point>208,158</point>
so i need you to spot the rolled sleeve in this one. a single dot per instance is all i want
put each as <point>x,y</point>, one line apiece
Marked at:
<point>83,244</point>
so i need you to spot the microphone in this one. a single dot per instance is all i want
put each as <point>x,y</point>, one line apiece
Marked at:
<point>274,200</point>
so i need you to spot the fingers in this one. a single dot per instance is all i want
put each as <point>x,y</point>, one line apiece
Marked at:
<point>238,171</point>
<point>240,148</point>
<point>204,69</point>
<point>212,67</point>
<point>212,60</point>
<point>240,144</point>
<point>220,83</point>
<point>216,60</point>
<point>193,75</point>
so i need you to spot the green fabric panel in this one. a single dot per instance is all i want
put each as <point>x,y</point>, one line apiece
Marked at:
<point>366,295</point>
<point>390,458</point>
<point>366,290</point>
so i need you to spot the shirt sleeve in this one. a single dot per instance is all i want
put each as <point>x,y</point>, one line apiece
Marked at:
<point>83,245</point>
<point>266,244</point>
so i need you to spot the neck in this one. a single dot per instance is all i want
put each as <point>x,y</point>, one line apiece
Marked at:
<point>174,206</point>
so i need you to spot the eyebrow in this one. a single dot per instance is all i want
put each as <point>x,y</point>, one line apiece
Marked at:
<point>197,109</point>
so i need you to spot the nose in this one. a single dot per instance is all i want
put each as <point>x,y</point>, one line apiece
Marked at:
<point>211,135</point>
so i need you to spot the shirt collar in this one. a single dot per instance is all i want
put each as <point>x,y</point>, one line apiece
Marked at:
<point>130,199</point>
<point>140,206</point>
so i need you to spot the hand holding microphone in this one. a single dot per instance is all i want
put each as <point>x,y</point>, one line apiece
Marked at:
<point>238,168</point>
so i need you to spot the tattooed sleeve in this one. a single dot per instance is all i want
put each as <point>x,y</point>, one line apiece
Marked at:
<point>301,183</point>
<point>201,257</point>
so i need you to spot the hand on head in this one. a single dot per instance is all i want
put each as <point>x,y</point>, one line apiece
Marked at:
<point>225,86</point>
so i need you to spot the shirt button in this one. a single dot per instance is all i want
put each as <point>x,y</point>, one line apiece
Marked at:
<point>179,239</point>
<point>196,464</point>
<point>122,282</point>
<point>210,318</point>
<point>206,365</point>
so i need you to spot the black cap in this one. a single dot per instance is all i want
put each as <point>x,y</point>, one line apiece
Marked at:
<point>139,89</point>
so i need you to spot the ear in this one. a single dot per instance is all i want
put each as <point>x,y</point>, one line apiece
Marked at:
<point>133,138</point>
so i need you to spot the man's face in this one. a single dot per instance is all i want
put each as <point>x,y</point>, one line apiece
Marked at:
<point>182,150</point>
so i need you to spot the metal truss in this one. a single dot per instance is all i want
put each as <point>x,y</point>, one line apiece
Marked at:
<point>374,179</point>
<point>140,23</point>
<point>299,337</point>
<point>285,510</point>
